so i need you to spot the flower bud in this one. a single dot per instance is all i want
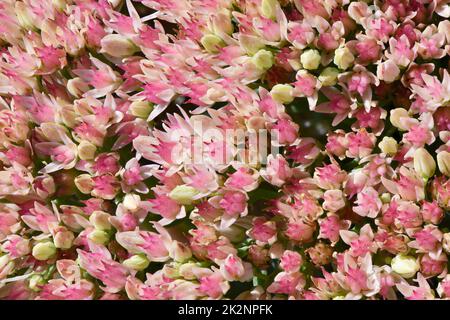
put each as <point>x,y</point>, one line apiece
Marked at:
<point>343,58</point>
<point>388,71</point>
<point>443,160</point>
<point>60,4</point>
<point>100,220</point>
<point>446,242</point>
<point>84,183</point>
<point>179,251</point>
<point>186,270</point>
<point>171,270</point>
<point>386,197</point>
<point>117,46</point>
<point>251,44</point>
<point>35,282</point>
<point>141,109</point>
<point>396,117</point>
<point>388,146</point>
<point>183,194</point>
<point>131,202</point>
<point>263,59</point>
<point>211,43</point>
<point>424,163</point>
<point>6,265</point>
<point>63,238</point>
<point>310,59</point>
<point>86,150</point>
<point>98,236</point>
<point>222,23</point>
<point>328,76</point>
<point>137,262</point>
<point>77,87</point>
<point>405,266</point>
<point>23,15</point>
<point>44,250</point>
<point>269,8</point>
<point>282,93</point>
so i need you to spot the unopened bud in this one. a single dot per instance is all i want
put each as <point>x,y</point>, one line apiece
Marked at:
<point>131,201</point>
<point>310,59</point>
<point>211,43</point>
<point>386,197</point>
<point>100,220</point>
<point>44,250</point>
<point>98,236</point>
<point>35,282</point>
<point>84,183</point>
<point>443,160</point>
<point>446,242</point>
<point>388,146</point>
<point>222,23</point>
<point>328,76</point>
<point>269,8</point>
<point>388,71</point>
<point>183,194</point>
<point>141,109</point>
<point>282,93</point>
<point>77,87</point>
<point>137,262</point>
<point>396,117</point>
<point>263,59</point>
<point>117,46</point>
<point>405,266</point>
<point>60,4</point>
<point>63,238</point>
<point>180,252</point>
<point>343,58</point>
<point>23,15</point>
<point>86,150</point>
<point>424,163</point>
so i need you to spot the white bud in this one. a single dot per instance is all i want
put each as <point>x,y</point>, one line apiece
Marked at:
<point>388,146</point>
<point>310,59</point>
<point>343,58</point>
<point>269,8</point>
<point>131,201</point>
<point>86,150</point>
<point>100,220</point>
<point>443,160</point>
<point>328,76</point>
<point>396,116</point>
<point>117,46</point>
<point>405,266</point>
<point>424,163</point>
<point>137,262</point>
<point>211,43</point>
<point>63,238</point>
<point>183,194</point>
<point>263,59</point>
<point>141,109</point>
<point>35,281</point>
<point>98,236</point>
<point>44,250</point>
<point>282,93</point>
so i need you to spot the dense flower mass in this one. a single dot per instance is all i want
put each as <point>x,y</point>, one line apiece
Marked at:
<point>224,149</point>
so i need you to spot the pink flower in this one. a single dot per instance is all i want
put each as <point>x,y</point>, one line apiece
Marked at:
<point>100,265</point>
<point>291,261</point>
<point>331,226</point>
<point>263,231</point>
<point>368,203</point>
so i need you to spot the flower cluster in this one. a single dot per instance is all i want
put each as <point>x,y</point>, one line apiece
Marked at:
<point>224,149</point>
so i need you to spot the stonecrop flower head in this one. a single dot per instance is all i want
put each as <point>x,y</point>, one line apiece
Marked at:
<point>224,149</point>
